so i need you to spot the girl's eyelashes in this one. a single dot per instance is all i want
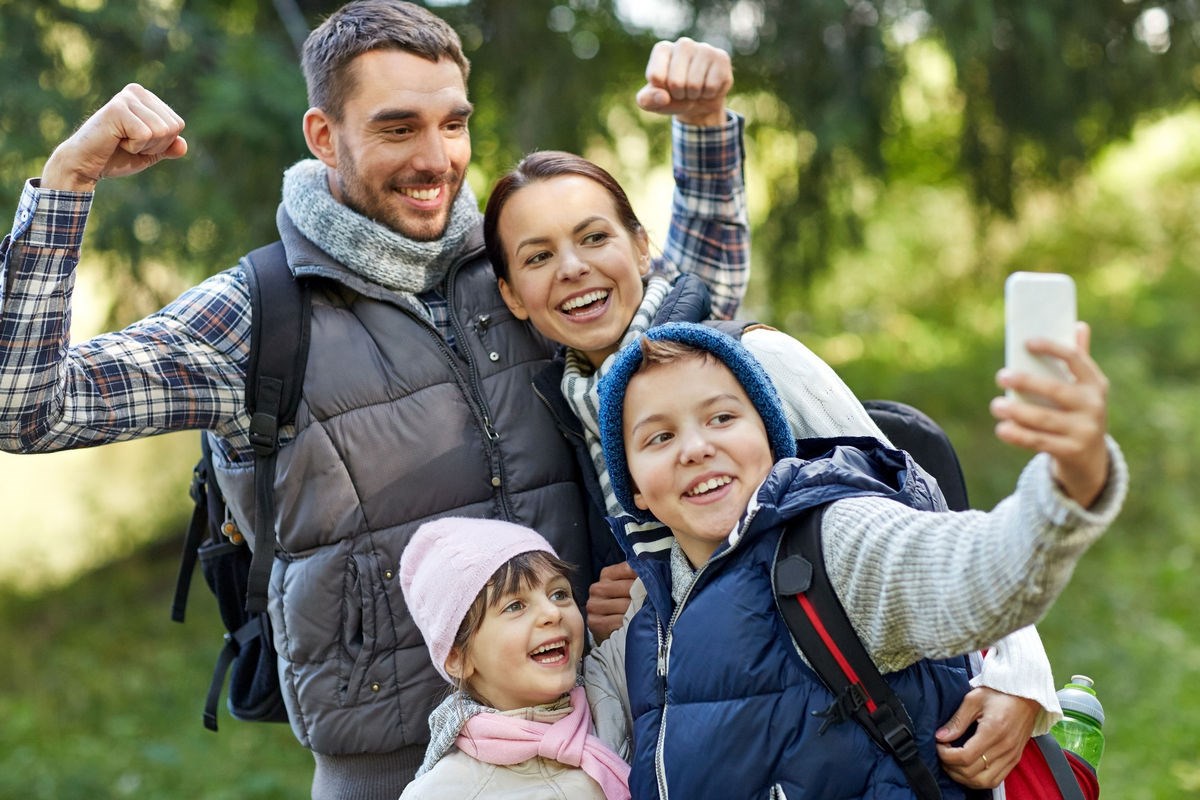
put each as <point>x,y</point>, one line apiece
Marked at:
<point>514,606</point>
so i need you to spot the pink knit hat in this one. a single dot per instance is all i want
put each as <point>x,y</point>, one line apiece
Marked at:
<point>445,566</point>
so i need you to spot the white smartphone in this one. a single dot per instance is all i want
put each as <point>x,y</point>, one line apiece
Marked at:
<point>1037,305</point>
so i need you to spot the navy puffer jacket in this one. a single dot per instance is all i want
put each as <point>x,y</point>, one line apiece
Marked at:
<point>722,703</point>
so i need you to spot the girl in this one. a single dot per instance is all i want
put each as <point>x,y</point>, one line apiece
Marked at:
<point>572,258</point>
<point>494,604</point>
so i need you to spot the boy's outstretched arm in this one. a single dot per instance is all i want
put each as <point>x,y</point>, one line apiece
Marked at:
<point>1072,429</point>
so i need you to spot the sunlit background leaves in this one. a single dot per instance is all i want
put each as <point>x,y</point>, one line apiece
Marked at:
<point>904,157</point>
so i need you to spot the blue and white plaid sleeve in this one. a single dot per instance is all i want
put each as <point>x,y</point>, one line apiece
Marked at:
<point>180,368</point>
<point>710,230</point>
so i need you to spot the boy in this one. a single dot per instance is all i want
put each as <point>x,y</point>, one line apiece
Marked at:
<point>702,459</point>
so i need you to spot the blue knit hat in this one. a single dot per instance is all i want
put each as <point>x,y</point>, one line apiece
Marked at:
<point>730,352</point>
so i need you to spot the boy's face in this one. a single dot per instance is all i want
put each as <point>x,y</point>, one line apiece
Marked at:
<point>697,450</point>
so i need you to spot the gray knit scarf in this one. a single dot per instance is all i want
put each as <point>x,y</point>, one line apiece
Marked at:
<point>366,247</point>
<point>580,379</point>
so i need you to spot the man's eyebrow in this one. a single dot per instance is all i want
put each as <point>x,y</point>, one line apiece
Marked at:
<point>405,114</point>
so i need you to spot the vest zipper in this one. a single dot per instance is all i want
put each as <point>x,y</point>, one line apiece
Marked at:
<point>499,484</point>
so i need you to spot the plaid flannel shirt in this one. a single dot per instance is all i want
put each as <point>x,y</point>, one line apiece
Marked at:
<point>184,367</point>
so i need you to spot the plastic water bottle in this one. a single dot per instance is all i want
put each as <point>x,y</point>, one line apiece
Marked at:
<point>1080,730</point>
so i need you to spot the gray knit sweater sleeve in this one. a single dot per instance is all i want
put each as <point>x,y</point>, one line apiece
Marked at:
<point>935,584</point>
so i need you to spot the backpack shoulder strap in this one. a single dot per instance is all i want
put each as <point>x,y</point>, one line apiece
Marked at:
<point>1060,768</point>
<point>197,527</point>
<point>279,329</point>
<point>823,632</point>
<point>733,328</point>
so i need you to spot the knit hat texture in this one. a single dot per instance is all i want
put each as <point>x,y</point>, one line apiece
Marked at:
<point>446,565</point>
<point>730,352</point>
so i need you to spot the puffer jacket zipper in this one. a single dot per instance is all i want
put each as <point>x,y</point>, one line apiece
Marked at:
<point>664,656</point>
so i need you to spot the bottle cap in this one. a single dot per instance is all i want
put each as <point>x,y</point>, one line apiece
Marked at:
<point>1079,696</point>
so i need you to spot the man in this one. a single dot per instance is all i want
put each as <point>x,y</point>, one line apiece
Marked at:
<point>416,393</point>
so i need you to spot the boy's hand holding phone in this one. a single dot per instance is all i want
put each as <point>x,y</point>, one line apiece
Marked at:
<point>1064,414</point>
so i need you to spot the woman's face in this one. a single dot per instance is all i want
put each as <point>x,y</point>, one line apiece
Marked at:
<point>575,271</point>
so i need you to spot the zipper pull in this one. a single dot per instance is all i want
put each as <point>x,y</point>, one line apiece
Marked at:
<point>662,653</point>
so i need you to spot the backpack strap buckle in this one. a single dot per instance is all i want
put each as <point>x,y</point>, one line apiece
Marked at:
<point>897,734</point>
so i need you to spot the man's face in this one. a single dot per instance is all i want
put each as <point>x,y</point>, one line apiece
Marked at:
<point>697,450</point>
<point>402,146</point>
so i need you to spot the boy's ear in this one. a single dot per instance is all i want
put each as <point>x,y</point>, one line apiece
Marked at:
<point>458,666</point>
<point>511,300</point>
<point>639,501</point>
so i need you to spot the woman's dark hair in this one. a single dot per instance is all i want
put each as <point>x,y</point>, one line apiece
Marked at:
<point>540,166</point>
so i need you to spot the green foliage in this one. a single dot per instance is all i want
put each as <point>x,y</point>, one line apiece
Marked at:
<point>225,65</point>
<point>906,154</point>
<point>103,697</point>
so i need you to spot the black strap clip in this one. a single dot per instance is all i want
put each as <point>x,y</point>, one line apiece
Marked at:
<point>845,706</point>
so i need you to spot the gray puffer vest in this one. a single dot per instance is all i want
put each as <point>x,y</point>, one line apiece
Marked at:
<point>396,428</point>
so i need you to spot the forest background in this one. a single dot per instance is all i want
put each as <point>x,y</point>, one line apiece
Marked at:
<point>904,157</point>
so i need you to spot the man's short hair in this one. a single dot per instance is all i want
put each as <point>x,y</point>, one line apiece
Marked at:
<point>361,26</point>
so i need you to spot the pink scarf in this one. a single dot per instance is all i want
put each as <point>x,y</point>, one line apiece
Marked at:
<point>503,740</point>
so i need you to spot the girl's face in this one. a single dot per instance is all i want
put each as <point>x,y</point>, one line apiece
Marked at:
<point>575,271</point>
<point>526,651</point>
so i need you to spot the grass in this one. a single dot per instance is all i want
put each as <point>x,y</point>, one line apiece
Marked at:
<point>103,696</point>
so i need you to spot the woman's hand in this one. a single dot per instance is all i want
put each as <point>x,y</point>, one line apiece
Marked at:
<point>1004,724</point>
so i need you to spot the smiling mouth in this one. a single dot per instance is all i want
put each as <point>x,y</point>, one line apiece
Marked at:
<point>422,194</point>
<point>712,484</point>
<point>584,302</point>
<point>551,652</point>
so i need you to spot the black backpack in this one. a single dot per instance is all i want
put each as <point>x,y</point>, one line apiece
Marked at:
<point>238,580</point>
<point>821,628</point>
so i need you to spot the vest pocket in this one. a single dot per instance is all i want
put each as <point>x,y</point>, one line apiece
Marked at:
<point>359,624</point>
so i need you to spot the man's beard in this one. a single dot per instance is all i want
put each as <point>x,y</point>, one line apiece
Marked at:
<point>359,197</point>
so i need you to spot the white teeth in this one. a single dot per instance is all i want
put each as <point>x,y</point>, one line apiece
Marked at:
<point>547,647</point>
<point>583,300</point>
<point>709,485</point>
<point>423,194</point>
